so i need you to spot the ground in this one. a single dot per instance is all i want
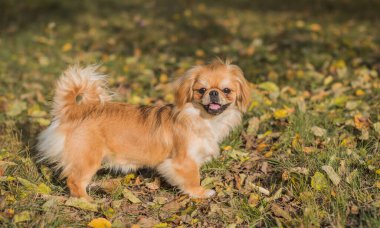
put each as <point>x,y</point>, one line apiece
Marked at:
<point>307,154</point>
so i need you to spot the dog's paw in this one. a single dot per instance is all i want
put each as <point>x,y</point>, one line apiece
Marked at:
<point>201,193</point>
<point>209,193</point>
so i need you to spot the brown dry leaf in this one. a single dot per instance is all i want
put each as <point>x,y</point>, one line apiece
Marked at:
<point>171,206</point>
<point>154,185</point>
<point>108,185</point>
<point>309,149</point>
<point>264,167</point>
<point>279,212</point>
<point>361,121</point>
<point>300,170</point>
<point>147,222</point>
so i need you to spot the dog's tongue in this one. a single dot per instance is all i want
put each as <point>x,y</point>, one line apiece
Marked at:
<point>214,106</point>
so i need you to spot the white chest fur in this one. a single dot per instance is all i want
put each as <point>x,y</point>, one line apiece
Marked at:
<point>207,133</point>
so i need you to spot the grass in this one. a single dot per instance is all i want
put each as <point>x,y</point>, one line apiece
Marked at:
<point>309,64</point>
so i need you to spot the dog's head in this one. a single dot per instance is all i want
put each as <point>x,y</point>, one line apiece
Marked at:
<point>215,87</point>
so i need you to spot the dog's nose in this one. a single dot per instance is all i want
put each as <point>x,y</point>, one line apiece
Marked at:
<point>214,96</point>
<point>214,93</point>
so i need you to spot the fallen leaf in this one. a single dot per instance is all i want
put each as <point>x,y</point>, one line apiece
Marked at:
<point>309,149</point>
<point>280,113</point>
<point>317,131</point>
<point>361,121</point>
<point>100,223</point>
<point>147,222</point>
<point>16,108</point>
<point>130,196</point>
<point>318,181</point>
<point>154,185</point>
<point>171,206</point>
<point>253,200</point>
<point>376,127</point>
<point>67,47</point>
<point>279,212</point>
<point>260,189</point>
<point>81,203</point>
<point>22,217</point>
<point>253,126</point>
<point>334,177</point>
<point>43,189</point>
<point>208,182</point>
<point>269,86</point>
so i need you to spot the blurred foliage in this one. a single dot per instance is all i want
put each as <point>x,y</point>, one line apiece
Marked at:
<point>306,155</point>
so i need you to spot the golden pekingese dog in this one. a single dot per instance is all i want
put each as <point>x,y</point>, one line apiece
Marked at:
<point>89,130</point>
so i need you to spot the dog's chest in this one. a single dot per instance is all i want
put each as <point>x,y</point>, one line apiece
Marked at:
<point>208,133</point>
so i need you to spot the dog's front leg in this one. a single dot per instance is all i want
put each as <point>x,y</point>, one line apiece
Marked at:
<point>184,173</point>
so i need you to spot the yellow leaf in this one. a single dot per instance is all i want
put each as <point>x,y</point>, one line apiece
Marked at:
<point>129,177</point>
<point>35,111</point>
<point>359,92</point>
<point>67,47</point>
<point>378,171</point>
<point>377,184</point>
<point>161,225</point>
<point>280,113</point>
<point>270,87</point>
<point>253,200</point>
<point>22,217</point>
<point>227,148</point>
<point>100,223</point>
<point>296,142</point>
<point>164,78</point>
<point>261,147</point>
<point>318,181</point>
<point>169,98</point>
<point>268,154</point>
<point>43,189</point>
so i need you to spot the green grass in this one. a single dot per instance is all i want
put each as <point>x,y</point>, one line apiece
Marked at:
<point>322,58</point>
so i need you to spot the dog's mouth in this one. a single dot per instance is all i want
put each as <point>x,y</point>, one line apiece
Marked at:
<point>215,108</point>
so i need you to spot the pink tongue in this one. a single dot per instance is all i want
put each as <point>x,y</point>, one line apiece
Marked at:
<point>214,106</point>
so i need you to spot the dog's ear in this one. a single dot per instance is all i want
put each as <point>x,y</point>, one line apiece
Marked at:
<point>184,86</point>
<point>243,93</point>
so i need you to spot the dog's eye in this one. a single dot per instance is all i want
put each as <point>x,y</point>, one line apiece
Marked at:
<point>202,90</point>
<point>226,90</point>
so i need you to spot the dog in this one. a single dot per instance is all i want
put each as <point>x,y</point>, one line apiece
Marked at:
<point>89,130</point>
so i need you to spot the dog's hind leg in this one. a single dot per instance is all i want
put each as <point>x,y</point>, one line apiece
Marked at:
<point>82,162</point>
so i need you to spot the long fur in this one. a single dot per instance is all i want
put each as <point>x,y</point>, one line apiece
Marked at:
<point>77,87</point>
<point>88,129</point>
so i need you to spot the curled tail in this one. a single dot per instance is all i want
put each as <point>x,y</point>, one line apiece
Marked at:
<point>77,87</point>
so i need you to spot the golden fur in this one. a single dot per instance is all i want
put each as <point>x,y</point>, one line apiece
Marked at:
<point>89,130</point>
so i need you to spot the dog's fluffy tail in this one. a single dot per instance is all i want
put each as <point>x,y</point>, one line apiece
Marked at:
<point>78,87</point>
